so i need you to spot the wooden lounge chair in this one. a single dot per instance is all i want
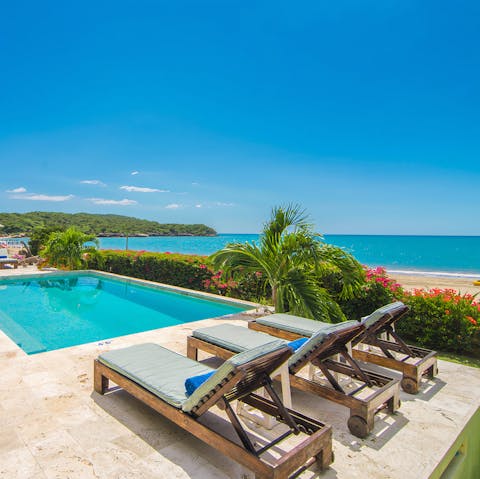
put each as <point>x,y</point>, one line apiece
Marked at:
<point>30,260</point>
<point>390,350</point>
<point>156,376</point>
<point>4,259</point>
<point>371,391</point>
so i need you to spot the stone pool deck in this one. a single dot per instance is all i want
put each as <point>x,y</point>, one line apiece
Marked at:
<point>54,426</point>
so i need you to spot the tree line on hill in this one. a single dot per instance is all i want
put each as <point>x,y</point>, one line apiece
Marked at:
<point>96,224</point>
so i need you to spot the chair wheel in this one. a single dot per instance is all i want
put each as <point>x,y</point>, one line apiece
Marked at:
<point>409,385</point>
<point>358,426</point>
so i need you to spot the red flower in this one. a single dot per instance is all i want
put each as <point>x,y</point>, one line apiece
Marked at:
<point>472,320</point>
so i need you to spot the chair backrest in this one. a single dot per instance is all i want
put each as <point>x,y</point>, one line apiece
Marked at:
<point>325,343</point>
<point>238,376</point>
<point>385,316</point>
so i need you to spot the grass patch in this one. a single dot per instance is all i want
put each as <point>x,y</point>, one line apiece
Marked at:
<point>460,359</point>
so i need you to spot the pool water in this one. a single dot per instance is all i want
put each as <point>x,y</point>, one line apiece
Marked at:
<point>44,314</point>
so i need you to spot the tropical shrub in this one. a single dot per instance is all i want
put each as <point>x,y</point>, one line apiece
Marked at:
<point>39,237</point>
<point>377,291</point>
<point>67,249</point>
<point>439,319</point>
<point>442,319</point>
<point>293,259</point>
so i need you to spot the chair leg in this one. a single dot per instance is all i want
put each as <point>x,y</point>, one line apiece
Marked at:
<point>432,371</point>
<point>361,423</point>
<point>100,382</point>
<point>285,382</point>
<point>325,458</point>
<point>394,402</point>
<point>192,351</point>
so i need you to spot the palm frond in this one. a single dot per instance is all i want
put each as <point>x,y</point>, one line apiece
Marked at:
<point>294,259</point>
<point>334,259</point>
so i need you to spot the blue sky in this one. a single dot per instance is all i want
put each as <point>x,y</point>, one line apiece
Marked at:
<point>366,113</point>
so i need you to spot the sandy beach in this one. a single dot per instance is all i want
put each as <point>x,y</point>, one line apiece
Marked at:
<point>412,281</point>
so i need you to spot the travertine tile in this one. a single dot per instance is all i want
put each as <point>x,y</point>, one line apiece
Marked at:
<point>52,424</point>
<point>19,463</point>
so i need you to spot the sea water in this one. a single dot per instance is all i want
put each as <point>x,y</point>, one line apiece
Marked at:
<point>458,255</point>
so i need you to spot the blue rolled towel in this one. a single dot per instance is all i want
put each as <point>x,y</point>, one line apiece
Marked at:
<point>297,343</point>
<point>196,381</point>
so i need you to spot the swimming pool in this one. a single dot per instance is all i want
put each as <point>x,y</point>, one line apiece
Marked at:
<point>57,311</point>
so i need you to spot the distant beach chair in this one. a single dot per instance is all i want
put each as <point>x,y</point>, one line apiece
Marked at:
<point>31,260</point>
<point>365,394</point>
<point>389,351</point>
<point>159,378</point>
<point>4,259</point>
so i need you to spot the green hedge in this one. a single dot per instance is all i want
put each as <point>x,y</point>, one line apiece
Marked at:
<point>188,271</point>
<point>439,319</point>
<point>443,320</point>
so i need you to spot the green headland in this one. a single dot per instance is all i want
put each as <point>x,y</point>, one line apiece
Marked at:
<point>23,224</point>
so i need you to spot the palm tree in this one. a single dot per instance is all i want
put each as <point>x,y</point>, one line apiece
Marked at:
<point>294,259</point>
<point>67,248</point>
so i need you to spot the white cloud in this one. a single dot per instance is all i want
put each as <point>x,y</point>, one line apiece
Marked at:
<point>102,201</point>
<point>133,173</point>
<point>36,197</point>
<point>20,189</point>
<point>195,183</point>
<point>142,189</point>
<point>172,206</point>
<point>93,182</point>
<point>198,206</point>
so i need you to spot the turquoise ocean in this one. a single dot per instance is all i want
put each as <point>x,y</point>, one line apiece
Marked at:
<point>447,255</point>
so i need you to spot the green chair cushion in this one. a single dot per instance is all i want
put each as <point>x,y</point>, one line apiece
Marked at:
<point>226,368</point>
<point>161,371</point>
<point>317,339</point>
<point>234,338</point>
<point>379,313</point>
<point>295,324</point>
<point>164,372</point>
<point>237,338</point>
